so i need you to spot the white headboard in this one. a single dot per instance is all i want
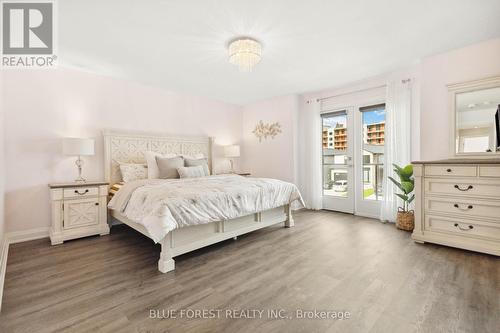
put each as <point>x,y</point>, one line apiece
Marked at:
<point>129,147</point>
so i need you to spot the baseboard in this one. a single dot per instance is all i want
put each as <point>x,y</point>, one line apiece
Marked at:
<point>4,251</point>
<point>27,235</point>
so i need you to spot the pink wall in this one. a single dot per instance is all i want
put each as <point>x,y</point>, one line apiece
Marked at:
<point>273,158</point>
<point>43,106</point>
<point>2,172</point>
<point>470,63</point>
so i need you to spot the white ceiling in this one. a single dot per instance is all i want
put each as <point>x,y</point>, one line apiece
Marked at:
<point>308,45</point>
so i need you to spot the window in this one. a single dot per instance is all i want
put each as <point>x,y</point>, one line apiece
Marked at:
<point>334,154</point>
<point>373,121</point>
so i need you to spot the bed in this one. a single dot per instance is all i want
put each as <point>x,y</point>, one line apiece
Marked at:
<point>129,147</point>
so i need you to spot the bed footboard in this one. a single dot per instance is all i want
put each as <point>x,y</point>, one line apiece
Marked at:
<point>188,239</point>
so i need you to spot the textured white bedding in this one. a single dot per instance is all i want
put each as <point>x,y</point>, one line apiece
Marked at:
<point>162,205</point>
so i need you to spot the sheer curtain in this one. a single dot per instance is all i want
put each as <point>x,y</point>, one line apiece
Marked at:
<point>310,154</point>
<point>397,142</point>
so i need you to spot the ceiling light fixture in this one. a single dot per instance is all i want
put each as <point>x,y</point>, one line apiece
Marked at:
<point>245,53</point>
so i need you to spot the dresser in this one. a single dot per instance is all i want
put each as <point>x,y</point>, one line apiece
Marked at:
<point>78,210</point>
<point>457,203</point>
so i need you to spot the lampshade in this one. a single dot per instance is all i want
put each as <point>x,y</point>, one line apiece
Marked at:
<point>232,151</point>
<point>78,146</point>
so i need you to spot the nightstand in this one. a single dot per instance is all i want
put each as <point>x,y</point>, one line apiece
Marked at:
<point>78,210</point>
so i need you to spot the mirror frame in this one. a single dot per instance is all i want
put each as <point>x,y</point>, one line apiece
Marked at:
<point>463,87</point>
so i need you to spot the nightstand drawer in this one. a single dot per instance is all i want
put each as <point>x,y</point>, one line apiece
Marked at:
<point>79,213</point>
<point>80,192</point>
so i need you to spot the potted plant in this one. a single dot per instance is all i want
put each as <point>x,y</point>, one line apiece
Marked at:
<point>406,183</point>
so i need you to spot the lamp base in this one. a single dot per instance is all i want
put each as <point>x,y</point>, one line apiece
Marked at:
<point>79,164</point>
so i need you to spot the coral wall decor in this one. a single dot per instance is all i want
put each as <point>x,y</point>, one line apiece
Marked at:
<point>266,130</point>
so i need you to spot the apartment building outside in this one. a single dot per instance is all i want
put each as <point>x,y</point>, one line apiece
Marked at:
<point>374,133</point>
<point>340,137</point>
<point>327,137</point>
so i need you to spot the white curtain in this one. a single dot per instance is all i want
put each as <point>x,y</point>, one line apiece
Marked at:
<point>310,154</point>
<point>397,142</point>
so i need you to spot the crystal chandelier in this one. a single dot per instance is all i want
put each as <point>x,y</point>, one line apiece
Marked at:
<point>245,53</point>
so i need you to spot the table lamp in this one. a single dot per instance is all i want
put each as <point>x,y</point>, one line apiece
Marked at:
<point>231,152</point>
<point>78,147</point>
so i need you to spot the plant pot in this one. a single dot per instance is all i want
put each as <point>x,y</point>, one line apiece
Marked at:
<point>405,220</point>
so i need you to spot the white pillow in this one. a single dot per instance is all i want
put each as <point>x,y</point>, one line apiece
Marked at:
<point>133,171</point>
<point>150,156</point>
<point>190,162</point>
<point>191,172</point>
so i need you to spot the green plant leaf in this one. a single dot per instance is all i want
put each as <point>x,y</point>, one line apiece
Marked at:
<point>411,199</point>
<point>402,196</point>
<point>398,184</point>
<point>407,172</point>
<point>397,170</point>
<point>407,187</point>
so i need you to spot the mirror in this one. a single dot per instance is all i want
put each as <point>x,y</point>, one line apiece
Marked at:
<point>476,121</point>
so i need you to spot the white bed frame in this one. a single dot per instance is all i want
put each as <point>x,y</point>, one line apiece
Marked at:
<point>128,147</point>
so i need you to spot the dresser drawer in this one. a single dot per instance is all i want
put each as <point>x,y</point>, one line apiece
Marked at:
<point>489,171</point>
<point>451,170</point>
<point>80,192</point>
<point>463,187</point>
<point>462,227</point>
<point>481,209</point>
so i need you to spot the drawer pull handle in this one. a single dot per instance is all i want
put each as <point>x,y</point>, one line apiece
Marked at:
<point>97,204</point>
<point>470,187</point>
<point>464,229</point>
<point>82,193</point>
<point>448,170</point>
<point>464,209</point>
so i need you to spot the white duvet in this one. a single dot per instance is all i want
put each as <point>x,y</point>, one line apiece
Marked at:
<point>162,205</point>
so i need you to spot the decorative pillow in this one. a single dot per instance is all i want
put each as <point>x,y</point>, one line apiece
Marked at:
<point>191,162</point>
<point>192,172</point>
<point>150,156</point>
<point>168,166</point>
<point>133,171</point>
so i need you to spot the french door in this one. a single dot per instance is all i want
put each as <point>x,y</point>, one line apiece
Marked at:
<point>353,141</point>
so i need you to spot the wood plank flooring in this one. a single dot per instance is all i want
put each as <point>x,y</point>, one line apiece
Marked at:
<point>328,261</point>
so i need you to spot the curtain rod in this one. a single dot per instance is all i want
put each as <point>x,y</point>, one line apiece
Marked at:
<point>360,90</point>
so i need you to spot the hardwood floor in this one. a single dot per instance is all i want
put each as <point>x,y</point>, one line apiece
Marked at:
<point>328,261</point>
